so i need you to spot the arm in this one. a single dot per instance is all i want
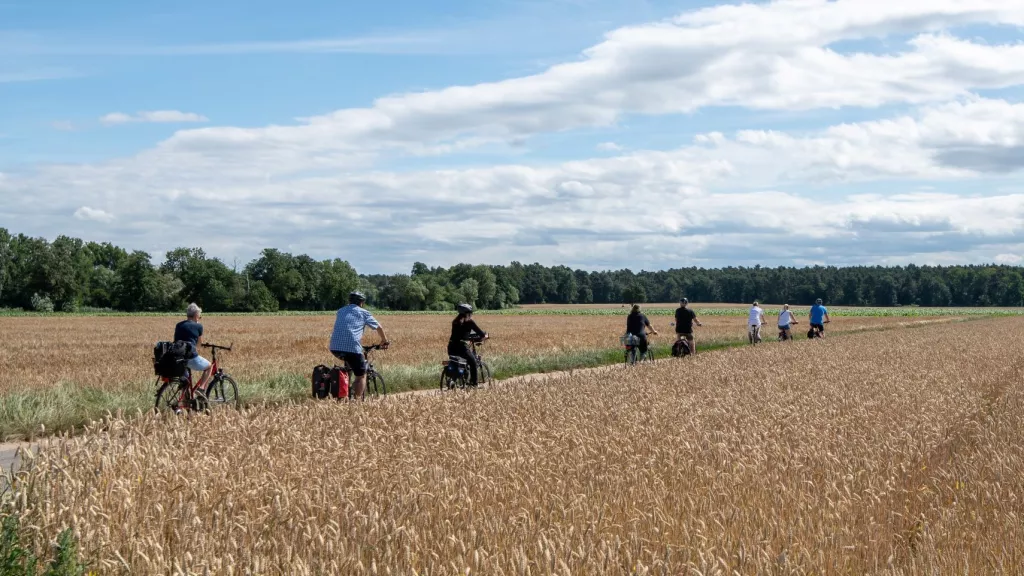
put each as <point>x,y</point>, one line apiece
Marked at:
<point>648,324</point>
<point>697,321</point>
<point>383,337</point>
<point>473,326</point>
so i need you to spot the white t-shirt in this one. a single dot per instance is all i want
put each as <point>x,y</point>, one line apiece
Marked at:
<point>755,316</point>
<point>785,318</point>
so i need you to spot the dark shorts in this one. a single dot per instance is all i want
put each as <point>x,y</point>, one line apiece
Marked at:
<point>355,362</point>
<point>820,327</point>
<point>786,327</point>
<point>687,335</point>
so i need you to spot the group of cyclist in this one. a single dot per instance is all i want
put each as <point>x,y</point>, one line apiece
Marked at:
<point>637,324</point>
<point>352,320</point>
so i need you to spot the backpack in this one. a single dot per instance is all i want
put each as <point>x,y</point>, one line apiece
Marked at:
<point>171,358</point>
<point>331,382</point>
<point>680,349</point>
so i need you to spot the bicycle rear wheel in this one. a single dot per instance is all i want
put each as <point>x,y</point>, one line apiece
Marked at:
<point>222,391</point>
<point>172,396</point>
<point>375,384</point>
<point>630,356</point>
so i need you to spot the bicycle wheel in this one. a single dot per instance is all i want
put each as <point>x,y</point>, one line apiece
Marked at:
<point>630,356</point>
<point>483,373</point>
<point>222,391</point>
<point>172,396</point>
<point>649,355</point>
<point>375,384</point>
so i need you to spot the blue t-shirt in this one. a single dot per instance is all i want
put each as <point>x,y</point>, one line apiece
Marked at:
<point>188,331</point>
<point>348,329</point>
<point>818,314</point>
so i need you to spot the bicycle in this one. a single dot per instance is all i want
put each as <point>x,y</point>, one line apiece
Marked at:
<point>179,394</point>
<point>786,334</point>
<point>754,333</point>
<point>816,332</point>
<point>455,370</point>
<point>375,385</point>
<point>632,353</point>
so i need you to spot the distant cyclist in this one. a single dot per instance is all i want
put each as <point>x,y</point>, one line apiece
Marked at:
<point>819,317</point>
<point>786,322</point>
<point>755,319</point>
<point>191,331</point>
<point>685,319</point>
<point>637,325</point>
<point>464,328</point>
<point>347,339</point>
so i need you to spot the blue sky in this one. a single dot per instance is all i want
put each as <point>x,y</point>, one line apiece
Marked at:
<point>594,133</point>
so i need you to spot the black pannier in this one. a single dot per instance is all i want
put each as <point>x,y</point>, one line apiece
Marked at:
<point>171,358</point>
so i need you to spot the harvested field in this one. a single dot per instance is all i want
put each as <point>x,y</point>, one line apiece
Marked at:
<point>110,352</point>
<point>900,452</point>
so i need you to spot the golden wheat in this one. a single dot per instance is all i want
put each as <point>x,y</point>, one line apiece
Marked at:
<point>899,452</point>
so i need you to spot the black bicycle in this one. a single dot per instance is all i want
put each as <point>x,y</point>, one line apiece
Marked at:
<point>179,394</point>
<point>632,350</point>
<point>455,370</point>
<point>375,385</point>
<point>815,332</point>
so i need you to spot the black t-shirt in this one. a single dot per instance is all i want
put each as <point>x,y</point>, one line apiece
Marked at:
<point>635,323</point>
<point>684,320</point>
<point>188,331</point>
<point>462,330</point>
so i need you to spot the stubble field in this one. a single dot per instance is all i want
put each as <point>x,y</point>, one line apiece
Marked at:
<point>890,452</point>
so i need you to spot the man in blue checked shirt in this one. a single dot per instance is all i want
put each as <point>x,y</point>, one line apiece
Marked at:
<point>347,339</point>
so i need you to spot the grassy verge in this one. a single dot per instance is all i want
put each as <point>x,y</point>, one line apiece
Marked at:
<point>68,406</point>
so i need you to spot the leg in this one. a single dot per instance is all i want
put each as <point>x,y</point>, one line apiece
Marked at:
<point>356,363</point>
<point>692,343</point>
<point>200,364</point>
<point>642,346</point>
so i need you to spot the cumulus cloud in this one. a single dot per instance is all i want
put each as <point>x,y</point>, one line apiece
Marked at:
<point>609,147</point>
<point>154,116</point>
<point>747,196</point>
<point>93,214</point>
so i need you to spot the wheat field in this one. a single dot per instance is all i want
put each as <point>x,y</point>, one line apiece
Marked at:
<point>107,352</point>
<point>896,452</point>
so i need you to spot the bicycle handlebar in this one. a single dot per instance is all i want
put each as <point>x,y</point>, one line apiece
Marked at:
<point>374,347</point>
<point>217,347</point>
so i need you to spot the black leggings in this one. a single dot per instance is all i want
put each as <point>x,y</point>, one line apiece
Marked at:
<point>462,351</point>
<point>641,343</point>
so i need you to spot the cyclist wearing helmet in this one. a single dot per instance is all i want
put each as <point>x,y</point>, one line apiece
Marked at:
<point>464,329</point>
<point>819,316</point>
<point>347,338</point>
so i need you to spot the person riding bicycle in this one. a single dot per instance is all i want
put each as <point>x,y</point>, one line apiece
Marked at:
<point>786,322</point>
<point>819,316</point>
<point>191,331</point>
<point>685,319</point>
<point>347,339</point>
<point>755,320</point>
<point>465,329</point>
<point>636,326</point>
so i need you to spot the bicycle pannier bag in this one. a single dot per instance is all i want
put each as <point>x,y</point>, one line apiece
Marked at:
<point>339,383</point>
<point>680,349</point>
<point>321,382</point>
<point>169,360</point>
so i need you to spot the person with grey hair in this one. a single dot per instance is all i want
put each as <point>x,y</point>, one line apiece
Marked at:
<point>786,321</point>
<point>191,331</point>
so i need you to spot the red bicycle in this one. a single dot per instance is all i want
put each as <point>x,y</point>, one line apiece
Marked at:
<point>179,394</point>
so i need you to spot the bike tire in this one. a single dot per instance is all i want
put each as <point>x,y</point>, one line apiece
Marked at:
<point>375,385</point>
<point>630,356</point>
<point>170,395</point>
<point>222,391</point>
<point>649,355</point>
<point>483,373</point>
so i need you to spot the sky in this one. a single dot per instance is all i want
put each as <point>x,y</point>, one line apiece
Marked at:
<point>641,134</point>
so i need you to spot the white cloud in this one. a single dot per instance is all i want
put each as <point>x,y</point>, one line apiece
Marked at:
<point>155,116</point>
<point>752,195</point>
<point>609,147</point>
<point>93,214</point>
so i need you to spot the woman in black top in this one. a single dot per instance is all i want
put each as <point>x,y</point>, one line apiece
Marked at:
<point>464,329</point>
<point>637,325</point>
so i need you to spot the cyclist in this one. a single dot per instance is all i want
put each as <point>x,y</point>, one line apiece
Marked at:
<point>685,319</point>
<point>755,320</point>
<point>786,322</point>
<point>819,316</point>
<point>347,339</point>
<point>463,329</point>
<point>191,331</point>
<point>636,325</point>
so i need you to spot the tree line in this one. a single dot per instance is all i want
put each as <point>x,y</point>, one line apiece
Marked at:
<point>69,274</point>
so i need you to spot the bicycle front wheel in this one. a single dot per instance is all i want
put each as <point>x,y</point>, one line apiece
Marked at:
<point>484,376</point>
<point>375,385</point>
<point>222,391</point>
<point>172,397</point>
